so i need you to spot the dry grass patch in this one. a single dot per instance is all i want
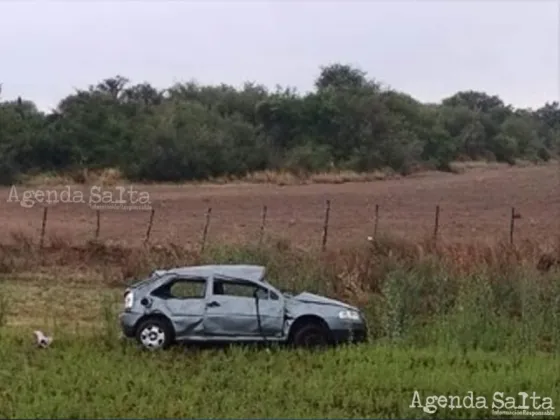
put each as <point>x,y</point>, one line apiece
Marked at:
<point>113,176</point>
<point>103,177</point>
<point>51,303</point>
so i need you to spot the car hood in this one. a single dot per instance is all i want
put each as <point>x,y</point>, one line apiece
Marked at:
<point>306,297</point>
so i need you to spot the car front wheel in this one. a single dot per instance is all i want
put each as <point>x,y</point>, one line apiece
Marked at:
<point>154,334</point>
<point>311,336</point>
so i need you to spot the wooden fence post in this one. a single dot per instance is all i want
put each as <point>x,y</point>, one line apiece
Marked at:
<point>205,232</point>
<point>263,223</point>
<point>436,223</point>
<point>149,226</point>
<point>514,216</point>
<point>376,222</point>
<point>98,223</point>
<point>44,226</point>
<point>326,225</point>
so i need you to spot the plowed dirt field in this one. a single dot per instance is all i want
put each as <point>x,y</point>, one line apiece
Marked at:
<point>475,205</point>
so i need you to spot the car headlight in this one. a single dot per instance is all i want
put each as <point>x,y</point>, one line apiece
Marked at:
<point>353,315</point>
<point>128,300</point>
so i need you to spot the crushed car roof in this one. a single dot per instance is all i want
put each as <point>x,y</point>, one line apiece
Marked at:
<point>240,271</point>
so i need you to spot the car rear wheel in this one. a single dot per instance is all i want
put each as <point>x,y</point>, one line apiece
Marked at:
<point>154,334</point>
<point>311,336</point>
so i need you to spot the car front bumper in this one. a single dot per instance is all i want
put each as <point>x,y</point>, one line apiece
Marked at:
<point>347,330</point>
<point>353,334</point>
<point>128,322</point>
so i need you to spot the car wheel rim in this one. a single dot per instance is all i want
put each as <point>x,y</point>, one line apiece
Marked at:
<point>152,337</point>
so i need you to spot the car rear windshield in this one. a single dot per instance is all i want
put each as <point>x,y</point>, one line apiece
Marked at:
<point>153,276</point>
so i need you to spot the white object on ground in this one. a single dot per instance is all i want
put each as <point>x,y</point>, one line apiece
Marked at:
<point>42,340</point>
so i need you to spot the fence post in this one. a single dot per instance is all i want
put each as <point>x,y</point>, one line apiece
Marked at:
<point>514,216</point>
<point>376,221</point>
<point>44,226</point>
<point>436,223</point>
<point>263,223</point>
<point>98,223</point>
<point>205,232</point>
<point>326,225</point>
<point>149,226</point>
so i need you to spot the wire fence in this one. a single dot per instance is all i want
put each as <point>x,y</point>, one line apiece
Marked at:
<point>99,224</point>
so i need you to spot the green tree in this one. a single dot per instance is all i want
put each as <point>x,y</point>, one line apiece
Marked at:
<point>194,131</point>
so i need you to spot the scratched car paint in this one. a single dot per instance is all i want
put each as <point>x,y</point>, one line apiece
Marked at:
<point>232,303</point>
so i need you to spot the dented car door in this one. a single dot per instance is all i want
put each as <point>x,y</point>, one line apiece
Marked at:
<point>182,300</point>
<point>272,313</point>
<point>231,310</point>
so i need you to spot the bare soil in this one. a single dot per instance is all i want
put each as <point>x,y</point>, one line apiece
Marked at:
<point>475,205</point>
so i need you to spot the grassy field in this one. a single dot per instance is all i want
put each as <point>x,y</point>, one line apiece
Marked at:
<point>443,321</point>
<point>83,377</point>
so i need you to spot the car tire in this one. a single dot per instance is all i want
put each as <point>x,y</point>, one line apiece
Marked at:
<point>311,335</point>
<point>154,334</point>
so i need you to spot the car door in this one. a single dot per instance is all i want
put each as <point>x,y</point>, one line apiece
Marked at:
<point>271,311</point>
<point>182,299</point>
<point>231,310</point>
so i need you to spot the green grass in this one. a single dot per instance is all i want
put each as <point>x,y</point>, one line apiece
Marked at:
<point>433,328</point>
<point>87,377</point>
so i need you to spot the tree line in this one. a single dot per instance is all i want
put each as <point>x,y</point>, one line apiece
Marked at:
<point>191,131</point>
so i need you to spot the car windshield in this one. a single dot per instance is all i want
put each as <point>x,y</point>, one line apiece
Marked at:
<point>264,279</point>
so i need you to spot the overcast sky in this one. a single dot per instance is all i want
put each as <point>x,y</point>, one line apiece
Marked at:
<point>430,49</point>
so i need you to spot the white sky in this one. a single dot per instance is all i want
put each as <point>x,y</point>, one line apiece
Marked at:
<point>430,49</point>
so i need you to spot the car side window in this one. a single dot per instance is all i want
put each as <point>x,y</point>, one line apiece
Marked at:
<point>183,289</point>
<point>272,294</point>
<point>239,289</point>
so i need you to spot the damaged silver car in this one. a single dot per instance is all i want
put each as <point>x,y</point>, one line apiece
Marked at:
<point>232,303</point>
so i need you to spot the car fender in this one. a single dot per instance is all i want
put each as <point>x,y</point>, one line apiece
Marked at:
<point>297,313</point>
<point>157,314</point>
